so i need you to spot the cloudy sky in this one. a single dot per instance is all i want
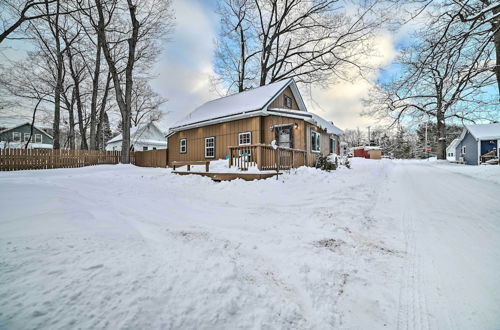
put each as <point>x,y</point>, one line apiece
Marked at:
<point>186,64</point>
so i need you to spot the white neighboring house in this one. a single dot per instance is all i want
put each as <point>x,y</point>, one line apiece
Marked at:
<point>450,150</point>
<point>143,137</point>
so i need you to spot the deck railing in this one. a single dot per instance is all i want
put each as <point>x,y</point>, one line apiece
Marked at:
<point>266,157</point>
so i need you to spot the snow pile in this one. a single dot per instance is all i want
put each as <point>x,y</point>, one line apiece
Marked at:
<point>383,245</point>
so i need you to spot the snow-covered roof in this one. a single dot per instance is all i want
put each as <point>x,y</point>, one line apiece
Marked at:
<point>453,144</point>
<point>138,135</point>
<point>484,131</point>
<point>250,103</point>
<point>241,103</point>
<point>309,117</point>
<point>367,148</point>
<point>328,126</point>
<point>10,125</point>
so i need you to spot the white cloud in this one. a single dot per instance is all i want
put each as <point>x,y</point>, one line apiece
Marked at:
<point>342,102</point>
<point>185,65</point>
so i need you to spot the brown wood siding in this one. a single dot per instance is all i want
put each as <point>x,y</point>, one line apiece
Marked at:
<point>298,133</point>
<point>324,144</point>
<point>226,135</point>
<point>279,102</point>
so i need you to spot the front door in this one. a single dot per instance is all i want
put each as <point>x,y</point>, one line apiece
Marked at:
<point>284,136</point>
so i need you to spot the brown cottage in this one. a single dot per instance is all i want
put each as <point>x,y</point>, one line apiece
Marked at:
<point>243,128</point>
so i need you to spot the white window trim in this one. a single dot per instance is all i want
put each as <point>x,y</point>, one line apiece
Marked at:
<point>213,147</point>
<point>463,149</point>
<point>319,143</point>
<point>185,146</point>
<point>14,134</point>
<point>36,138</point>
<point>26,137</point>
<point>239,138</point>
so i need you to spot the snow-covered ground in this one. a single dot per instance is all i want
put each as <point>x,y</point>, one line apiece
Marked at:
<point>385,245</point>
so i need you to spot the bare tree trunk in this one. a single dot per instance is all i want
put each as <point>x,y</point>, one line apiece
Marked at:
<point>93,105</point>
<point>79,107</point>
<point>32,123</point>
<point>441,135</point>
<point>496,39</point>
<point>124,100</point>
<point>71,130</point>
<point>99,141</point>
<point>54,26</point>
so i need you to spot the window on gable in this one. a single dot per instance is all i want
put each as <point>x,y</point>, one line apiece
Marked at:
<point>16,136</point>
<point>244,138</point>
<point>210,147</point>
<point>26,137</point>
<point>38,138</point>
<point>183,146</point>
<point>288,101</point>
<point>463,149</point>
<point>315,138</point>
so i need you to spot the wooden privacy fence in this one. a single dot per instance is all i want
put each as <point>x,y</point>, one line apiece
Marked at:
<point>265,157</point>
<point>35,159</point>
<point>151,158</point>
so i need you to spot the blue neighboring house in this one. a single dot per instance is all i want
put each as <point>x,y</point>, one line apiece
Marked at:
<point>477,140</point>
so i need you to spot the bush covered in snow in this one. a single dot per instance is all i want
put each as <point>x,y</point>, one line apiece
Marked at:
<point>325,163</point>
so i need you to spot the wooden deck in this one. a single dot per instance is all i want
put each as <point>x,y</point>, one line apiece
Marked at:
<point>230,176</point>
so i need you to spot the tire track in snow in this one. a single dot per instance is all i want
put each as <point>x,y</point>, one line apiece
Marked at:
<point>413,310</point>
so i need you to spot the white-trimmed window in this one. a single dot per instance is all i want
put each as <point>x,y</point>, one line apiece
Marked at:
<point>145,148</point>
<point>244,138</point>
<point>26,137</point>
<point>288,101</point>
<point>16,136</point>
<point>183,145</point>
<point>315,138</point>
<point>38,138</point>
<point>463,149</point>
<point>210,147</point>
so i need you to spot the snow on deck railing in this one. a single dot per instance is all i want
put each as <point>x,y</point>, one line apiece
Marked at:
<point>266,157</point>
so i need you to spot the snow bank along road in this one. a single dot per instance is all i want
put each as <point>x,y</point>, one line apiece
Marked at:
<point>393,245</point>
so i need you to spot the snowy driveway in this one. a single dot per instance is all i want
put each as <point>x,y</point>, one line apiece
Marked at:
<point>393,245</point>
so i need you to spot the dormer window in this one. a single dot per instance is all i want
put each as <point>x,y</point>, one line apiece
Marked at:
<point>288,101</point>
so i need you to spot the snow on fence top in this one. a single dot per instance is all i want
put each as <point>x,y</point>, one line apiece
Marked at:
<point>485,131</point>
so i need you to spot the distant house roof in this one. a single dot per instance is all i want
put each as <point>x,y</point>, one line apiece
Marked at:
<point>453,144</point>
<point>138,135</point>
<point>16,124</point>
<point>249,103</point>
<point>484,131</point>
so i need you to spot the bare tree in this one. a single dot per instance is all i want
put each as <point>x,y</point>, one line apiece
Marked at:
<point>141,27</point>
<point>145,103</point>
<point>443,78</point>
<point>15,13</point>
<point>233,57</point>
<point>311,41</point>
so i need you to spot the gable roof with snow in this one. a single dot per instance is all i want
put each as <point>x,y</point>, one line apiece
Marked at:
<point>453,145</point>
<point>484,131</point>
<point>16,124</point>
<point>148,134</point>
<point>250,103</point>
